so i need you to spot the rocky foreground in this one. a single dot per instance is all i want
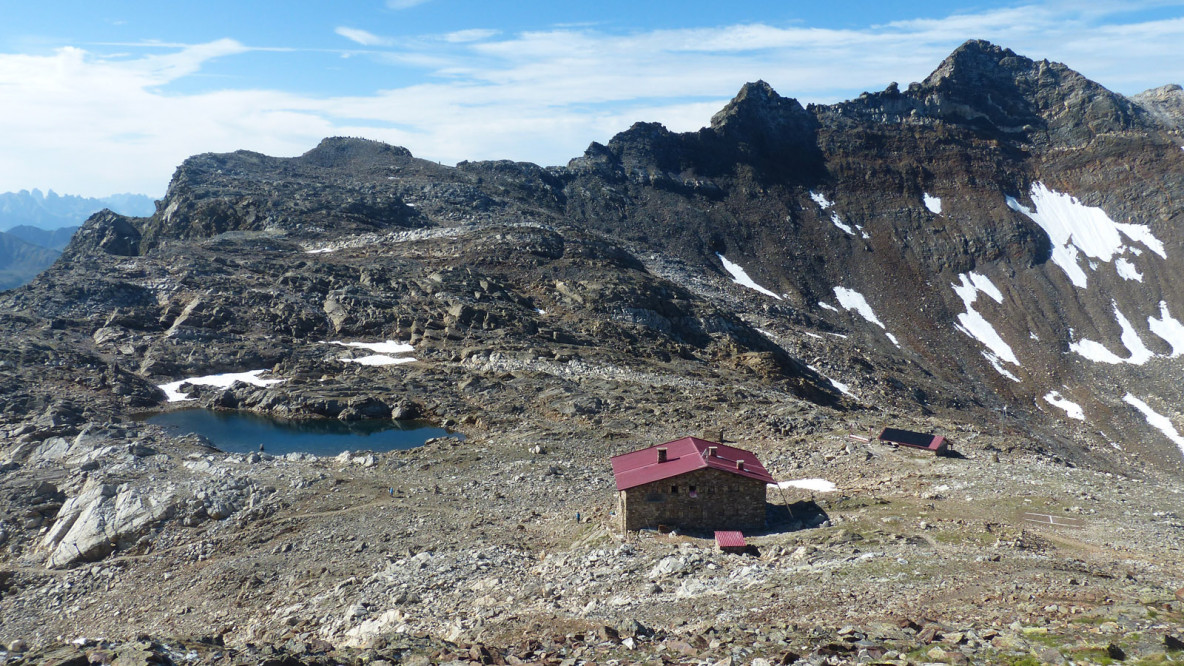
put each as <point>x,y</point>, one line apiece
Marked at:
<point>472,552</point>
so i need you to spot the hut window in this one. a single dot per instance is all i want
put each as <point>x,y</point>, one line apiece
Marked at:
<point>673,490</point>
<point>692,492</point>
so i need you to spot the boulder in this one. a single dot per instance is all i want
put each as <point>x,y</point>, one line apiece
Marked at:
<point>94,522</point>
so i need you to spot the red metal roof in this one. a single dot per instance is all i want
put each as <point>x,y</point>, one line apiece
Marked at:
<point>730,539</point>
<point>684,455</point>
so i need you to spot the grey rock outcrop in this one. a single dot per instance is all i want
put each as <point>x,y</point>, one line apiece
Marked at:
<point>94,522</point>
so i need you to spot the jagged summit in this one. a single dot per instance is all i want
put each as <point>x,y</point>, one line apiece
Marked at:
<point>757,103</point>
<point>982,81</point>
<point>978,61</point>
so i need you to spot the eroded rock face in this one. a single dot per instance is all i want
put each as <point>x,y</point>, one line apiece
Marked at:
<point>107,232</point>
<point>1165,103</point>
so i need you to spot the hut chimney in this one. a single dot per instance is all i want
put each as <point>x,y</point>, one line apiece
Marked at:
<point>713,451</point>
<point>740,465</point>
<point>662,454</point>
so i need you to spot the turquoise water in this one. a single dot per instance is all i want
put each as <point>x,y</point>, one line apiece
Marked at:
<point>243,432</point>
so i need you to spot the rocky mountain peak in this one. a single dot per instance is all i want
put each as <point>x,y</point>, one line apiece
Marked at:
<point>343,151</point>
<point>1165,104</point>
<point>991,86</point>
<point>757,110</point>
<point>107,232</point>
<point>978,60</point>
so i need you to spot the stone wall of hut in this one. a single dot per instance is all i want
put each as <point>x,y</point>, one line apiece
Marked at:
<point>703,500</point>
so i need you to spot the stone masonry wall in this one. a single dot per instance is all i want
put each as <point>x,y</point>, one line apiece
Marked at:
<point>720,501</point>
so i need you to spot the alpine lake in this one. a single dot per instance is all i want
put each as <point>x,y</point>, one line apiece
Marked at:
<point>244,432</point>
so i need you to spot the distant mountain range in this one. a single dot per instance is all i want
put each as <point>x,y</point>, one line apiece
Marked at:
<point>21,261</point>
<point>38,226</point>
<point>53,210</point>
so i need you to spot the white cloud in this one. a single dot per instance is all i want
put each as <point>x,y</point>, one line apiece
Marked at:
<point>83,122</point>
<point>362,37</point>
<point>473,35</point>
<point>405,4</point>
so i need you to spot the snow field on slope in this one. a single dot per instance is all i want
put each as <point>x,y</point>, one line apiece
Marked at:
<point>853,300</point>
<point>388,347</point>
<point>382,352</point>
<point>378,360</point>
<point>932,203</point>
<point>740,277</point>
<point>1072,409</point>
<point>843,388</point>
<point>172,390</point>
<point>1096,351</point>
<point>834,217</point>
<point>977,327</point>
<point>824,204</point>
<point>1074,228</point>
<point>1156,420</point>
<point>1126,270</point>
<point>821,200</point>
<point>1168,328</point>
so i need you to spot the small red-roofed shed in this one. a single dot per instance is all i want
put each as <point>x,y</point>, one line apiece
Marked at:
<point>692,484</point>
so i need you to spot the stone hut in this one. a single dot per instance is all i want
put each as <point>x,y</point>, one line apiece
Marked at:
<point>692,484</point>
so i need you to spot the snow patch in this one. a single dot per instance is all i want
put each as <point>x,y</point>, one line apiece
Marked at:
<point>932,203</point>
<point>382,351</point>
<point>817,485</point>
<point>1072,409</point>
<point>1074,228</point>
<point>388,347</point>
<point>740,277</point>
<point>1096,351</point>
<point>976,326</point>
<point>1156,420</point>
<point>1168,328</point>
<point>853,300</point>
<point>834,217</point>
<point>1140,354</point>
<point>378,359</point>
<point>172,390</point>
<point>994,361</point>
<point>821,200</point>
<point>825,203</point>
<point>1126,270</point>
<point>843,388</point>
<point>827,306</point>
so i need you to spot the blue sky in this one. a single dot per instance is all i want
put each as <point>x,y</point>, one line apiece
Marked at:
<point>104,97</point>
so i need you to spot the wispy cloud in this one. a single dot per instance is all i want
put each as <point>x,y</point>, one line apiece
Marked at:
<point>405,4</point>
<point>363,37</point>
<point>474,35</point>
<point>83,122</point>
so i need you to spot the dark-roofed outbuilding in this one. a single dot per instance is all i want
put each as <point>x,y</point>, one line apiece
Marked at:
<point>692,484</point>
<point>915,440</point>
